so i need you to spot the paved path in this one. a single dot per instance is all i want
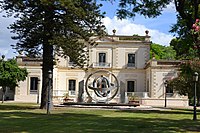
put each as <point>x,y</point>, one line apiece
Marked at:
<point>141,107</point>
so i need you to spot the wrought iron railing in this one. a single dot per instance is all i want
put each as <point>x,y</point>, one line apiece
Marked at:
<point>101,65</point>
<point>59,93</point>
<point>72,93</point>
<point>33,91</point>
<point>131,65</point>
<point>138,94</point>
<point>70,64</point>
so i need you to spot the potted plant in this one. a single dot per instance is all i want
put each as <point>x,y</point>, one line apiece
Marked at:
<point>66,97</point>
<point>133,100</point>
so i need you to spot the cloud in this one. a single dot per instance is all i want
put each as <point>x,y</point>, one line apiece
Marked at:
<point>127,27</point>
<point>160,38</point>
<point>170,8</point>
<point>123,27</point>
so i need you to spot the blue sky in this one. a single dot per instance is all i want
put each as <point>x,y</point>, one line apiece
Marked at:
<point>162,22</point>
<point>158,27</point>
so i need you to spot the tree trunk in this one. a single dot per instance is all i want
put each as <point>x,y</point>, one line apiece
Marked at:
<point>47,55</point>
<point>3,93</point>
<point>47,65</point>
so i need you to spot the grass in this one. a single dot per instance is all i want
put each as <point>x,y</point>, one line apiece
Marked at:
<point>27,118</point>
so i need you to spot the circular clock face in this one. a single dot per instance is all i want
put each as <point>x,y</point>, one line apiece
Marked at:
<point>102,86</point>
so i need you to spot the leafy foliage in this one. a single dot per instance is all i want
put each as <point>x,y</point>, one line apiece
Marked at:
<point>196,35</point>
<point>196,28</point>
<point>183,47</point>
<point>187,10</point>
<point>162,52</point>
<point>61,23</point>
<point>148,8</point>
<point>10,73</point>
<point>185,44</point>
<point>184,83</point>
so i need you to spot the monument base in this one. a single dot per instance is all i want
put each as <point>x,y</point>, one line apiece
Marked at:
<point>102,104</point>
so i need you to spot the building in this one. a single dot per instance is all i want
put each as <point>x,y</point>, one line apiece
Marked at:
<point>127,57</point>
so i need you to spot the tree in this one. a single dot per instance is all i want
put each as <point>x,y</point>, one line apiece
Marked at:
<point>49,27</point>
<point>196,34</point>
<point>184,83</point>
<point>162,52</point>
<point>185,42</point>
<point>184,47</point>
<point>10,74</point>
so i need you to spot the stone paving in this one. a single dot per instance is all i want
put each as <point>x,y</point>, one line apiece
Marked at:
<point>141,107</point>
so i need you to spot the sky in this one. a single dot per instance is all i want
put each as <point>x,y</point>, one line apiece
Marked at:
<point>158,27</point>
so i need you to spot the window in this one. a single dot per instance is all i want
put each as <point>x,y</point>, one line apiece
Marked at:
<point>102,58</point>
<point>131,60</point>
<point>71,62</point>
<point>148,89</point>
<point>72,87</point>
<point>169,90</point>
<point>101,61</point>
<point>130,86</point>
<point>33,84</point>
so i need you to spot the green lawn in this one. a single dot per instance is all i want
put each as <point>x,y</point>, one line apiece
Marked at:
<point>27,118</point>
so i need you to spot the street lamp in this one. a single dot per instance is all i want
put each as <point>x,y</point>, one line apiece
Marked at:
<point>195,79</point>
<point>165,83</point>
<point>50,76</point>
<point>3,57</point>
<point>3,87</point>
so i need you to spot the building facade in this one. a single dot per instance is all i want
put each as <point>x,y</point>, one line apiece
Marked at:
<point>127,57</point>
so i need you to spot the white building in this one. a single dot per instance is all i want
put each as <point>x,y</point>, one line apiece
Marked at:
<point>127,57</point>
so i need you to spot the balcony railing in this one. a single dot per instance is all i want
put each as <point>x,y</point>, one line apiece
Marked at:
<point>131,65</point>
<point>101,65</point>
<point>72,93</point>
<point>62,93</point>
<point>70,64</point>
<point>59,93</point>
<point>33,91</point>
<point>138,94</point>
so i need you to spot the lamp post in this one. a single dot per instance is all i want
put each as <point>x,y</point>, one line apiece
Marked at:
<point>165,83</point>
<point>3,86</point>
<point>50,75</point>
<point>195,79</point>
